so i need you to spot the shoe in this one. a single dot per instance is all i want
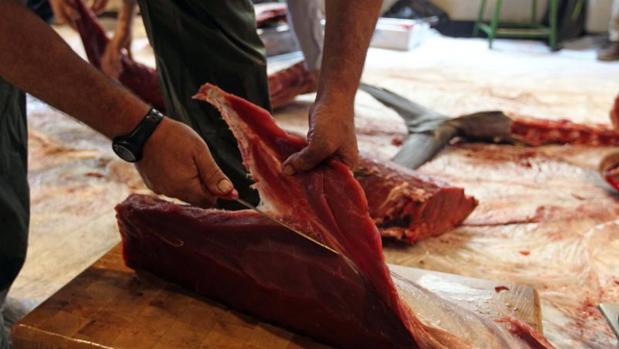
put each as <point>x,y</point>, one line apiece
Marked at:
<point>610,52</point>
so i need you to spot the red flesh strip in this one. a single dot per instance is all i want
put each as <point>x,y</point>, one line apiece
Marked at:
<point>614,114</point>
<point>137,77</point>
<point>326,203</point>
<point>609,169</point>
<point>408,206</point>
<point>499,289</point>
<point>526,333</point>
<point>254,265</point>
<point>536,132</point>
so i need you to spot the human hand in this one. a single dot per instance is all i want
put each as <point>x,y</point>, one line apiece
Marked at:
<point>65,12</point>
<point>111,59</point>
<point>98,6</point>
<point>177,163</point>
<point>331,134</point>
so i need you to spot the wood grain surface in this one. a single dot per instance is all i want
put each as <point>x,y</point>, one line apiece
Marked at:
<point>111,306</point>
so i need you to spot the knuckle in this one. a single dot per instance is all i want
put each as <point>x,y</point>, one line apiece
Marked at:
<point>211,174</point>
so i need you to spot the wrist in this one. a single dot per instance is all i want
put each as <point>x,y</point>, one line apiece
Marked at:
<point>336,97</point>
<point>336,92</point>
<point>130,147</point>
<point>335,103</point>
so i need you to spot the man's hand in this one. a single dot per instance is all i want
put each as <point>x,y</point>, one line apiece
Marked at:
<point>64,11</point>
<point>110,60</point>
<point>348,31</point>
<point>331,134</point>
<point>98,6</point>
<point>178,163</point>
<point>176,160</point>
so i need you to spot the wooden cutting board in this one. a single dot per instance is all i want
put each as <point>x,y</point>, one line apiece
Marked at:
<point>110,306</point>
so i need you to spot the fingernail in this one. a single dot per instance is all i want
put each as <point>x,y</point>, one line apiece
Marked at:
<point>224,186</point>
<point>288,170</point>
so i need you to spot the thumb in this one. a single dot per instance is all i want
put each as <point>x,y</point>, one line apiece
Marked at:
<point>215,181</point>
<point>304,160</point>
<point>350,159</point>
<point>349,155</point>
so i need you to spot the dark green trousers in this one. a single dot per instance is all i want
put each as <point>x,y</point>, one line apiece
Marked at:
<point>14,192</point>
<point>200,41</point>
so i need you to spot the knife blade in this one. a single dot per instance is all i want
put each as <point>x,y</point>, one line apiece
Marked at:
<point>285,225</point>
<point>611,313</point>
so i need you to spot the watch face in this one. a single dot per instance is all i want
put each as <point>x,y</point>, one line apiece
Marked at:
<point>123,152</point>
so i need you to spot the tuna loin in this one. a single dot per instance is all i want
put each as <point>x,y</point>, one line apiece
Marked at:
<point>251,264</point>
<point>408,206</point>
<point>254,265</point>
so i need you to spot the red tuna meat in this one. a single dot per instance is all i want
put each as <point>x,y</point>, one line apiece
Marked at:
<point>614,113</point>
<point>254,265</point>
<point>536,132</point>
<point>408,206</point>
<point>326,203</point>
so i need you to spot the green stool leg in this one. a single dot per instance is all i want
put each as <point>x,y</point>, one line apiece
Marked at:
<point>554,11</point>
<point>480,17</point>
<point>533,11</point>
<point>495,22</point>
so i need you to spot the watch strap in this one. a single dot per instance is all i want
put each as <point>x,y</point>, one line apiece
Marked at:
<point>130,147</point>
<point>145,128</point>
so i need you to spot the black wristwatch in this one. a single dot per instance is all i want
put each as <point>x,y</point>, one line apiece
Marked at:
<point>129,147</point>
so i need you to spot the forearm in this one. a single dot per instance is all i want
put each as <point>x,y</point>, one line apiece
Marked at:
<point>125,22</point>
<point>35,59</point>
<point>349,28</point>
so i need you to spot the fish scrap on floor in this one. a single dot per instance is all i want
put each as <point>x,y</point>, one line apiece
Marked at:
<point>430,132</point>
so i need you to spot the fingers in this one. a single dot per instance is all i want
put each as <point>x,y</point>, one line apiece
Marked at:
<point>111,67</point>
<point>127,48</point>
<point>312,155</point>
<point>193,193</point>
<point>196,195</point>
<point>350,155</point>
<point>306,159</point>
<point>213,179</point>
<point>65,11</point>
<point>98,6</point>
<point>111,61</point>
